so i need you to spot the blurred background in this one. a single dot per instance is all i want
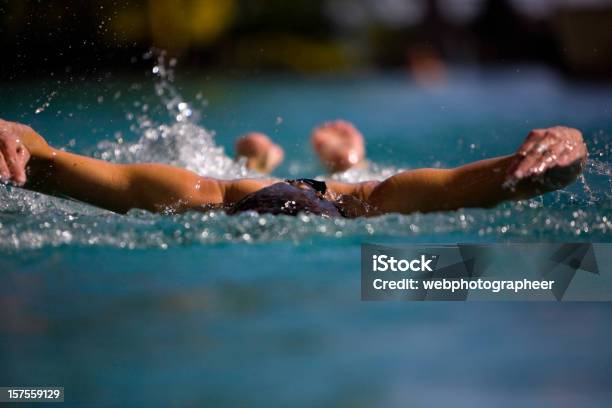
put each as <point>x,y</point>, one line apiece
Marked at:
<point>66,38</point>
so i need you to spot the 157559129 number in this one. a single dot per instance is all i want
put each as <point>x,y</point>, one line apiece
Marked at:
<point>16,394</point>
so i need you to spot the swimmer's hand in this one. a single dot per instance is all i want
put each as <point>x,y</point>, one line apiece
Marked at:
<point>551,158</point>
<point>18,143</point>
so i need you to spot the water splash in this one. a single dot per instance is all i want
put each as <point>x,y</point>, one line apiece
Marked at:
<point>45,104</point>
<point>181,142</point>
<point>370,171</point>
<point>60,223</point>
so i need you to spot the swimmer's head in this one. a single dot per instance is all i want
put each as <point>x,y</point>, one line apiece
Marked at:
<point>288,198</point>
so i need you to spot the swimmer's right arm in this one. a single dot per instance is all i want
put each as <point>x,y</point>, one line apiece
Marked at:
<point>28,161</point>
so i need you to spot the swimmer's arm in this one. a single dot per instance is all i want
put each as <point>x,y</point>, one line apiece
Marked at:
<point>121,187</point>
<point>425,190</point>
<point>149,186</point>
<point>27,160</point>
<point>479,184</point>
<point>549,159</point>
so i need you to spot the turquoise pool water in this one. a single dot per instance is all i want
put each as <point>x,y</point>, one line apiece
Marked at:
<point>193,310</point>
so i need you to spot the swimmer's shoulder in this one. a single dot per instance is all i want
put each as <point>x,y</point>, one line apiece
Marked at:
<point>235,190</point>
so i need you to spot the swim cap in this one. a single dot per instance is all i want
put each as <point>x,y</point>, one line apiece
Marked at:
<point>284,198</point>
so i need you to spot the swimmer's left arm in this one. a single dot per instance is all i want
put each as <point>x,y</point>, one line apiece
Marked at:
<point>549,159</point>
<point>478,184</point>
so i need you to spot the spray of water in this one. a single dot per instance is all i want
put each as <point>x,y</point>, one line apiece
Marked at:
<point>180,142</point>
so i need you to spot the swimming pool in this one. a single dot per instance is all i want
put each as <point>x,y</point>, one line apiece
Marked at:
<point>205,309</point>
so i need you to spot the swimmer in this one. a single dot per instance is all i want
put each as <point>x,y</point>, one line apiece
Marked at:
<point>549,159</point>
